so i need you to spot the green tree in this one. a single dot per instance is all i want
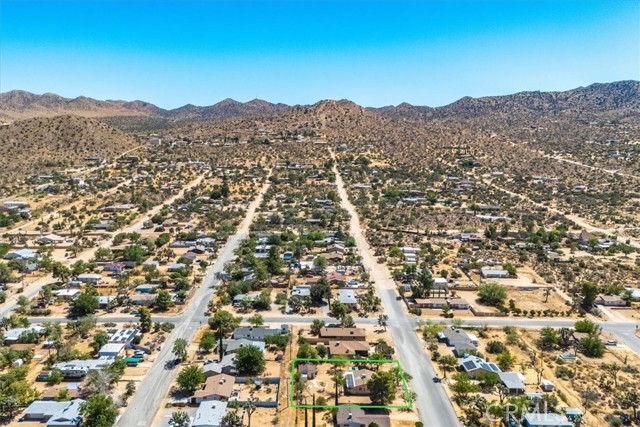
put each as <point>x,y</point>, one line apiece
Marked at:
<point>249,361</point>
<point>447,363</point>
<point>23,304</point>
<point>55,377</point>
<point>631,400</point>
<point>6,275</point>
<point>191,378</point>
<point>383,320</point>
<point>99,339</point>
<point>506,360</point>
<point>256,320</point>
<point>223,322</point>
<point>134,253</point>
<point>320,262</point>
<point>145,319</point>
<point>60,271</point>
<point>463,386</point>
<point>207,342</point>
<point>316,326</point>
<point>592,346</point>
<point>86,303</point>
<point>492,293</point>
<point>589,292</point>
<point>180,349</point>
<point>549,338</point>
<point>319,292</point>
<point>586,326</point>
<point>382,388</point>
<point>98,410</point>
<point>163,301</point>
<point>180,419</point>
<point>339,311</point>
<point>307,351</point>
<point>424,286</point>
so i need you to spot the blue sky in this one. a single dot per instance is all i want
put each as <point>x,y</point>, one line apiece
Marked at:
<point>300,51</point>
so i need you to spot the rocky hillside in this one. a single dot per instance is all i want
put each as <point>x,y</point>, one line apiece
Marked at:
<point>617,99</point>
<point>17,105</point>
<point>42,145</point>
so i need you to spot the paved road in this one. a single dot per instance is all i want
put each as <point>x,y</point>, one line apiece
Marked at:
<point>434,407</point>
<point>148,398</point>
<point>33,288</point>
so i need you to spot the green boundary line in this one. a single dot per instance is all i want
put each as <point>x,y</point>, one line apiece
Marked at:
<point>409,404</point>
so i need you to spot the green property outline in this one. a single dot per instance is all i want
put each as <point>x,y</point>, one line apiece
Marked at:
<point>409,404</point>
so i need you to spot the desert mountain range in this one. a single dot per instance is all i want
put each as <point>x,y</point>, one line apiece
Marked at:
<point>619,97</point>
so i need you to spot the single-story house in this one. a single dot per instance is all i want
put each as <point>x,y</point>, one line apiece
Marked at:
<point>114,267</point>
<point>224,366</point>
<point>177,266</point>
<point>22,254</point>
<point>50,239</point>
<point>231,346</point>
<point>143,299</point>
<point>66,294</point>
<point>343,334</point>
<point>89,278</point>
<point>106,300</point>
<point>257,333</point>
<point>111,350</point>
<point>337,278</point>
<point>436,303</point>
<point>611,301</point>
<point>239,299</point>
<point>301,290</point>
<point>513,381</point>
<point>308,370</point>
<point>463,348</point>
<point>452,336</point>
<point>55,414</point>
<point>348,349</point>
<point>357,417</point>
<point>51,393</point>
<point>537,419</point>
<point>216,387</point>
<point>334,256</point>
<point>348,297</point>
<point>356,382</point>
<point>458,303</point>
<point>474,365</point>
<point>124,336</point>
<point>146,288</point>
<point>210,414</point>
<point>12,335</point>
<point>491,273</point>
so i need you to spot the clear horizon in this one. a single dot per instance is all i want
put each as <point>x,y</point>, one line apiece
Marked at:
<point>373,53</point>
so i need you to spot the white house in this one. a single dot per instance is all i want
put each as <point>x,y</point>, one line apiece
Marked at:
<point>111,350</point>
<point>210,414</point>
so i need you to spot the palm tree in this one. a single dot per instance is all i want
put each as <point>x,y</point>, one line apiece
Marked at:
<point>447,363</point>
<point>339,381</point>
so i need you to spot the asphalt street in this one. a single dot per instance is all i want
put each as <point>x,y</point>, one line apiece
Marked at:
<point>146,402</point>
